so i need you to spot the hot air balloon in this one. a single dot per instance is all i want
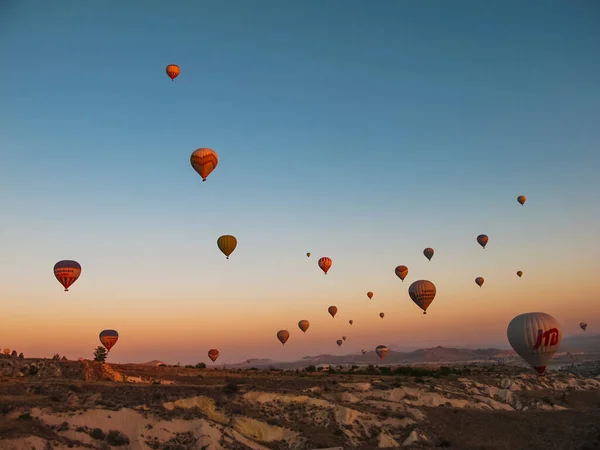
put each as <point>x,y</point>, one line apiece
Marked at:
<point>364,350</point>
<point>283,336</point>
<point>308,255</point>
<point>325,264</point>
<point>303,325</point>
<point>344,338</point>
<point>227,244</point>
<point>370,295</point>
<point>401,272</point>
<point>520,273</point>
<point>332,310</point>
<point>381,351</point>
<point>173,71</point>
<point>109,338</point>
<point>213,354</point>
<point>521,199</point>
<point>382,315</point>
<point>535,337</point>
<point>351,321</point>
<point>6,351</point>
<point>428,252</point>
<point>479,281</point>
<point>422,292</point>
<point>583,326</point>
<point>67,272</point>
<point>339,342</point>
<point>483,240</point>
<point>204,161</point>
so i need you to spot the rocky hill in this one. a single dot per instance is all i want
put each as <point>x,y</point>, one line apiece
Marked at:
<point>62,405</point>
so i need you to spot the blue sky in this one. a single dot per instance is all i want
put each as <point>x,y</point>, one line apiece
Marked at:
<point>364,131</point>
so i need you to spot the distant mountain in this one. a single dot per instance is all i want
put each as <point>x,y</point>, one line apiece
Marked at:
<point>589,343</point>
<point>428,355</point>
<point>154,362</point>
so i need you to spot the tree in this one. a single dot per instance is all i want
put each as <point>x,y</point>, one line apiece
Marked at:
<point>100,354</point>
<point>56,356</point>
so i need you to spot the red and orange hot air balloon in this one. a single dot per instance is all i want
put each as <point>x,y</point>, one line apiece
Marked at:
<point>213,354</point>
<point>370,295</point>
<point>325,264</point>
<point>204,161</point>
<point>67,272</point>
<point>401,272</point>
<point>109,338</point>
<point>482,240</point>
<point>173,71</point>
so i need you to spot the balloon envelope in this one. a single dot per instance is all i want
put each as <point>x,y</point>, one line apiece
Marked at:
<point>428,252</point>
<point>344,338</point>
<point>204,161</point>
<point>109,338</point>
<point>213,354</point>
<point>283,336</point>
<point>401,272</point>
<point>520,273</point>
<point>339,342</point>
<point>422,292</point>
<point>67,272</point>
<point>227,244</point>
<point>370,295</point>
<point>381,351</point>
<point>351,321</point>
<point>382,315</point>
<point>583,326</point>
<point>364,350</point>
<point>303,325</point>
<point>482,239</point>
<point>479,281</point>
<point>173,71</point>
<point>325,264</point>
<point>332,310</point>
<point>521,199</point>
<point>535,337</point>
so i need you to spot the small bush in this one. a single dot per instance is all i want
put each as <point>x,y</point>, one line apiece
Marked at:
<point>116,438</point>
<point>231,388</point>
<point>98,434</point>
<point>310,369</point>
<point>201,366</point>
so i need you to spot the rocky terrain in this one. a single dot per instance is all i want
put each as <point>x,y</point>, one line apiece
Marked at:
<point>53,404</point>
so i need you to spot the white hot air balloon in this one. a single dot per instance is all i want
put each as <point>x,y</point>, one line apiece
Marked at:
<point>535,337</point>
<point>422,292</point>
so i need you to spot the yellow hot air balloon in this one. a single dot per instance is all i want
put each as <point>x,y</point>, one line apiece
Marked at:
<point>479,281</point>
<point>325,264</point>
<point>520,273</point>
<point>422,292</point>
<point>382,315</point>
<point>381,351</point>
<point>303,325</point>
<point>213,354</point>
<point>428,252</point>
<point>332,310</point>
<point>204,161</point>
<point>109,338</point>
<point>227,244</point>
<point>535,337</point>
<point>401,272</point>
<point>351,321</point>
<point>521,199</point>
<point>482,239</point>
<point>339,342</point>
<point>370,295</point>
<point>283,336</point>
